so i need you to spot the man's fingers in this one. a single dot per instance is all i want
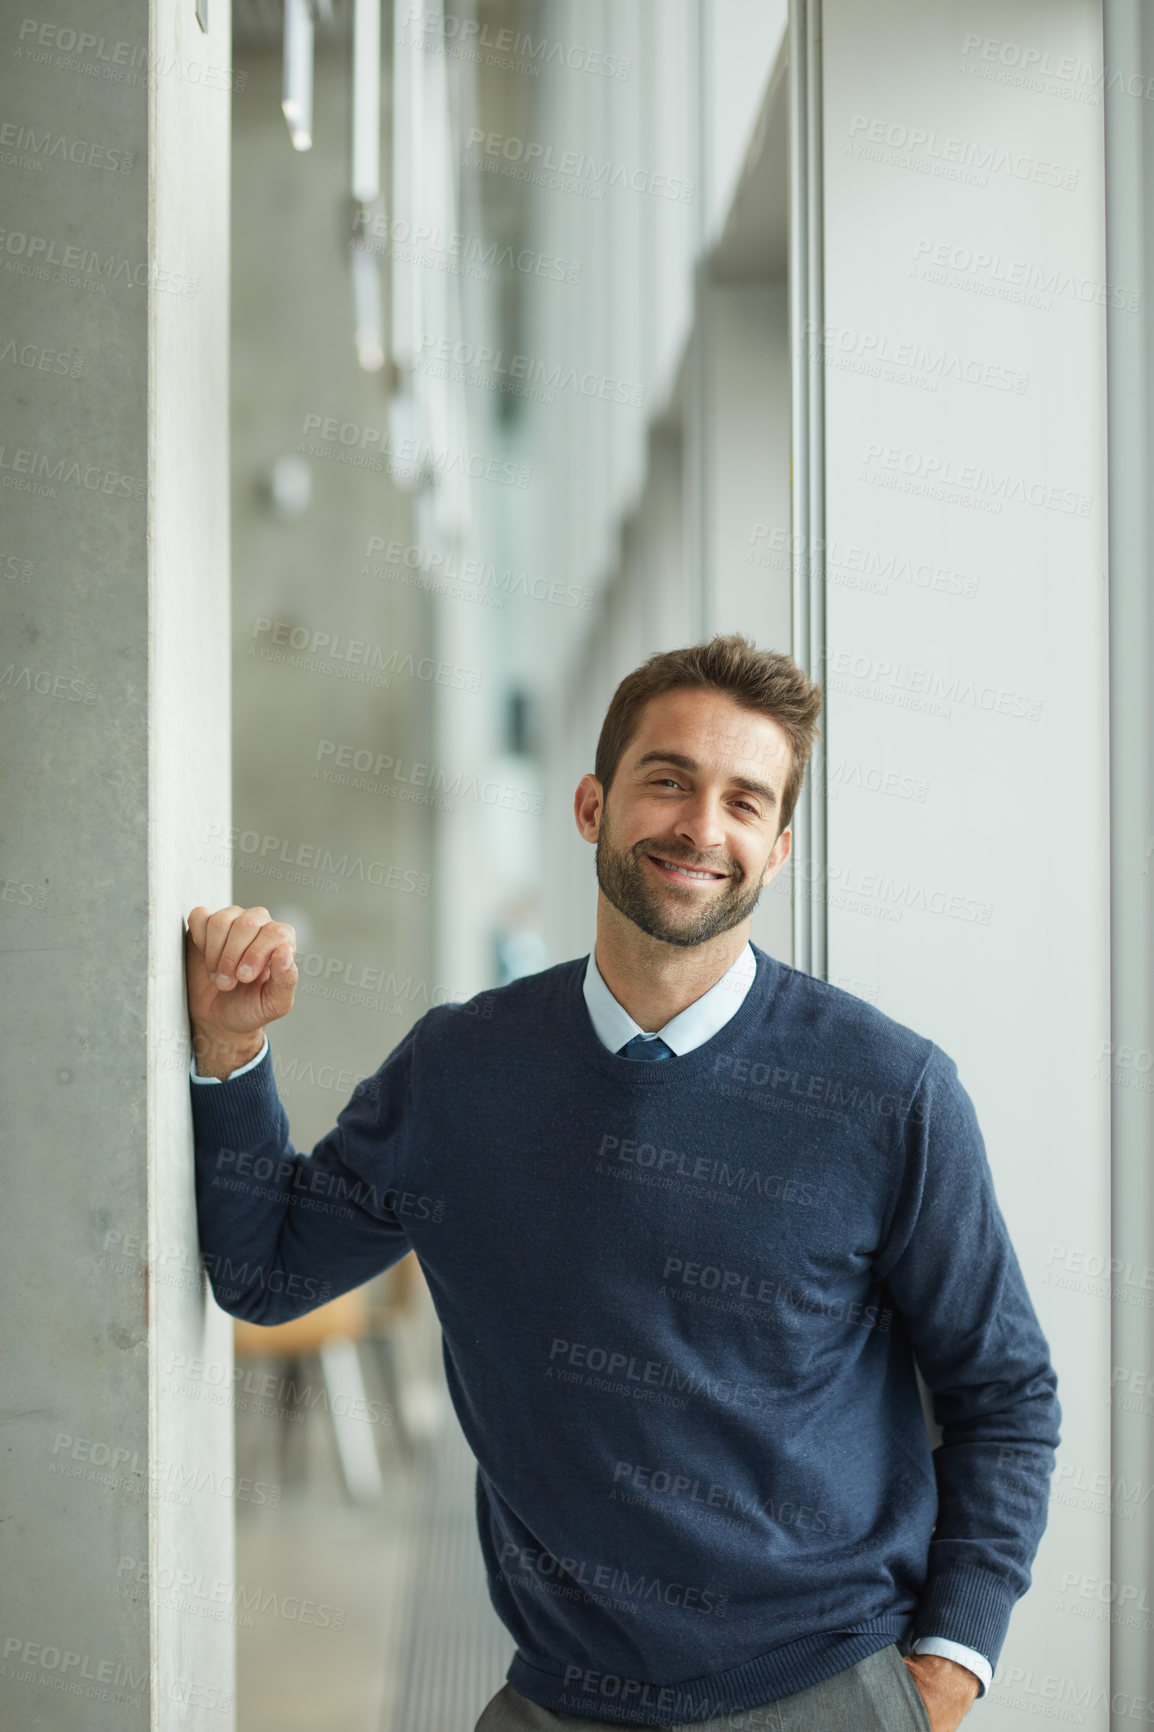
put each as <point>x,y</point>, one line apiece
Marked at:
<point>244,946</point>
<point>278,972</point>
<point>236,934</point>
<point>267,956</point>
<point>282,960</point>
<point>282,975</point>
<point>216,932</point>
<point>243,929</point>
<point>198,926</point>
<point>281,981</point>
<point>251,941</point>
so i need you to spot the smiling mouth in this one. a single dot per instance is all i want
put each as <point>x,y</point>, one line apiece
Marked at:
<point>695,874</point>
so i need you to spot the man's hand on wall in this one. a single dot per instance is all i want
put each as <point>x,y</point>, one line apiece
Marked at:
<point>241,975</point>
<point>947,1689</point>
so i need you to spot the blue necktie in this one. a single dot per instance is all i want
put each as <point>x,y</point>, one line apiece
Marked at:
<point>640,1047</point>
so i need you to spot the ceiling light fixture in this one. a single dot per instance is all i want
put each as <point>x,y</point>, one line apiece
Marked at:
<point>297,97</point>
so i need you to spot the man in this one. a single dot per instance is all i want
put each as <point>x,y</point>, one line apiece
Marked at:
<point>687,1216</point>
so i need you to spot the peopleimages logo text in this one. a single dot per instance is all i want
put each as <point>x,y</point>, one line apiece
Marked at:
<point>577,165</point>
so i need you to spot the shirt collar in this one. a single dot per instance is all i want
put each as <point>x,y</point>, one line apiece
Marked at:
<point>690,1028</point>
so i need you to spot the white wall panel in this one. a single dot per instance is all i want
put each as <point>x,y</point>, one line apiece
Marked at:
<point>741,43</point>
<point>741,442</point>
<point>966,658</point>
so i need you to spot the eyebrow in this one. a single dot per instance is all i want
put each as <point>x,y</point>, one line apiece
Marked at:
<point>681,762</point>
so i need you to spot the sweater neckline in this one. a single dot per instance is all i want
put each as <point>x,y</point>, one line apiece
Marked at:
<point>660,1073</point>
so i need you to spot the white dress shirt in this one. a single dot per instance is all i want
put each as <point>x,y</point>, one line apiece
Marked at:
<point>690,1028</point>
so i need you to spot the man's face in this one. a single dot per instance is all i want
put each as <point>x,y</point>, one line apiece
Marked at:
<point>699,787</point>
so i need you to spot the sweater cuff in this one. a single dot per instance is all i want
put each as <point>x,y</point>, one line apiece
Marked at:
<point>967,1606</point>
<point>242,1114</point>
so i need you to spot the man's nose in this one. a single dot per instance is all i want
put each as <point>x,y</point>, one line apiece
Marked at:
<point>699,822</point>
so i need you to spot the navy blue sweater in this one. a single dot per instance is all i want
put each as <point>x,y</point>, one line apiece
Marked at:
<point>681,1303</point>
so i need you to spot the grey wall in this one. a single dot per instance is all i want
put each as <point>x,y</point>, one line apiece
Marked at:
<point>114,716</point>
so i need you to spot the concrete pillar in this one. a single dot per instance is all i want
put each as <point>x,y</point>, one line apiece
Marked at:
<point>114,721</point>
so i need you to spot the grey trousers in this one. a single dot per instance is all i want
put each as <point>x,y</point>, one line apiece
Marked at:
<point>876,1695</point>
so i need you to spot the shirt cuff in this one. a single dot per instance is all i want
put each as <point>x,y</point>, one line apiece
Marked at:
<point>240,1070</point>
<point>968,1657</point>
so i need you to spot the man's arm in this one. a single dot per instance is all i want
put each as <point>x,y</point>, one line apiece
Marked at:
<point>280,1232</point>
<point>954,1277</point>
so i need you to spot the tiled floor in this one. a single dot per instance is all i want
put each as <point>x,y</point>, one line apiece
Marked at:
<point>371,1618</point>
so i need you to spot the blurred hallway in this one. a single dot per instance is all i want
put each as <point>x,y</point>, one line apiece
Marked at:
<point>418,1647</point>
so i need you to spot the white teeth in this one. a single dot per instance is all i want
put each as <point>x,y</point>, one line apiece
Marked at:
<point>686,871</point>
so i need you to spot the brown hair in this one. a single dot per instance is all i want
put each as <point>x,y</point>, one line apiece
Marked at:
<point>765,681</point>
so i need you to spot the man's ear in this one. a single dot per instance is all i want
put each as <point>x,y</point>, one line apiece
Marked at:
<point>588,806</point>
